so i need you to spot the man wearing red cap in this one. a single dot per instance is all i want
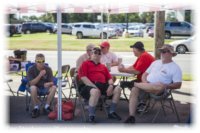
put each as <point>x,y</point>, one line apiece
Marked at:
<point>107,56</point>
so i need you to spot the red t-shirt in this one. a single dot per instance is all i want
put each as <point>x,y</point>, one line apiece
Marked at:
<point>94,72</point>
<point>142,63</point>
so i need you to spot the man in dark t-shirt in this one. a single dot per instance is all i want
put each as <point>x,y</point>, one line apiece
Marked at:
<point>40,79</point>
<point>97,81</point>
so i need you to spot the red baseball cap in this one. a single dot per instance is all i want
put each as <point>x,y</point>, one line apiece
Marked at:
<point>105,44</point>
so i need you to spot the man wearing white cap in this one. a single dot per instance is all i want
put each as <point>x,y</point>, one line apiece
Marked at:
<point>84,56</point>
<point>162,74</point>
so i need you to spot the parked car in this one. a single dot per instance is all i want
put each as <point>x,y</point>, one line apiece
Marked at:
<point>65,28</point>
<point>151,31</point>
<point>32,27</point>
<point>183,46</point>
<point>18,28</point>
<point>10,30</point>
<point>177,29</point>
<point>135,31</point>
<point>89,29</point>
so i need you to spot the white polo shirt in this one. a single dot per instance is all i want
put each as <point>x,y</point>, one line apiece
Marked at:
<point>164,73</point>
<point>108,58</point>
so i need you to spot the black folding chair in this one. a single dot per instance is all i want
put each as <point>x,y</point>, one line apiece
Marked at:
<point>101,104</point>
<point>161,99</point>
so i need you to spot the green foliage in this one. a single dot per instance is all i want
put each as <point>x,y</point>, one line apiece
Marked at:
<point>171,17</point>
<point>48,17</point>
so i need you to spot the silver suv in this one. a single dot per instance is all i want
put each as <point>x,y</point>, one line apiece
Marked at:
<point>89,29</point>
<point>175,29</point>
<point>178,29</point>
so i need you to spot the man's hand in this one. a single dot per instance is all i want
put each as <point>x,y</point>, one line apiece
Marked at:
<point>42,73</point>
<point>48,84</point>
<point>110,90</point>
<point>121,68</point>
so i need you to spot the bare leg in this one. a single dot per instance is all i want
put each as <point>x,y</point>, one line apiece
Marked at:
<point>94,97</point>
<point>150,87</point>
<point>51,95</point>
<point>34,95</point>
<point>116,94</point>
<point>133,100</point>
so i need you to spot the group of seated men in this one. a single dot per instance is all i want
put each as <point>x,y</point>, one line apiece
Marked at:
<point>153,76</point>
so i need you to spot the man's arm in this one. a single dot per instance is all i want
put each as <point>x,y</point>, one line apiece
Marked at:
<point>144,77</point>
<point>176,85</point>
<point>37,79</point>
<point>114,63</point>
<point>87,82</point>
<point>129,69</point>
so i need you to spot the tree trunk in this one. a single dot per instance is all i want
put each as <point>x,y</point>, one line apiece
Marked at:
<point>159,32</point>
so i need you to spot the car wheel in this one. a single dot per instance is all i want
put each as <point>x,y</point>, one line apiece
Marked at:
<point>8,34</point>
<point>48,31</point>
<point>167,35</point>
<point>104,35</point>
<point>181,49</point>
<point>28,32</point>
<point>79,35</point>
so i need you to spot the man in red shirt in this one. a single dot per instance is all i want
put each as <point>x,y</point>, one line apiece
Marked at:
<point>143,61</point>
<point>97,81</point>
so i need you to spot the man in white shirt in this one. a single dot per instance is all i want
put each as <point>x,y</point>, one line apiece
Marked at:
<point>107,56</point>
<point>84,56</point>
<point>162,74</point>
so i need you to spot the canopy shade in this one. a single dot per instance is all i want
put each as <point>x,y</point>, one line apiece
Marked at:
<point>93,8</point>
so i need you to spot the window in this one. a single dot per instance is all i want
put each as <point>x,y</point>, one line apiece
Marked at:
<point>88,26</point>
<point>77,26</point>
<point>175,24</point>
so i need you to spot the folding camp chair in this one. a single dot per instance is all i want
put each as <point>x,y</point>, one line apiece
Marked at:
<point>24,87</point>
<point>101,104</point>
<point>161,99</point>
<point>7,81</point>
<point>72,73</point>
<point>65,79</point>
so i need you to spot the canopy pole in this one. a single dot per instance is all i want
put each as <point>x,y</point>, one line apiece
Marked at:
<point>59,51</point>
<point>102,26</point>
<point>108,21</point>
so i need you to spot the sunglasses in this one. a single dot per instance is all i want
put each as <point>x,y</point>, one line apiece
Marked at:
<point>97,52</point>
<point>165,51</point>
<point>39,61</point>
<point>102,47</point>
<point>89,50</point>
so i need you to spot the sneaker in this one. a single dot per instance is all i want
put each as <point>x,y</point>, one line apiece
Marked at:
<point>91,119</point>
<point>114,115</point>
<point>47,110</point>
<point>142,107</point>
<point>125,84</point>
<point>35,113</point>
<point>130,119</point>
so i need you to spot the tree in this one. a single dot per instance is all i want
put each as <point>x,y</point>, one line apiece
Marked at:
<point>171,17</point>
<point>33,18</point>
<point>133,17</point>
<point>147,17</point>
<point>48,17</point>
<point>25,18</point>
